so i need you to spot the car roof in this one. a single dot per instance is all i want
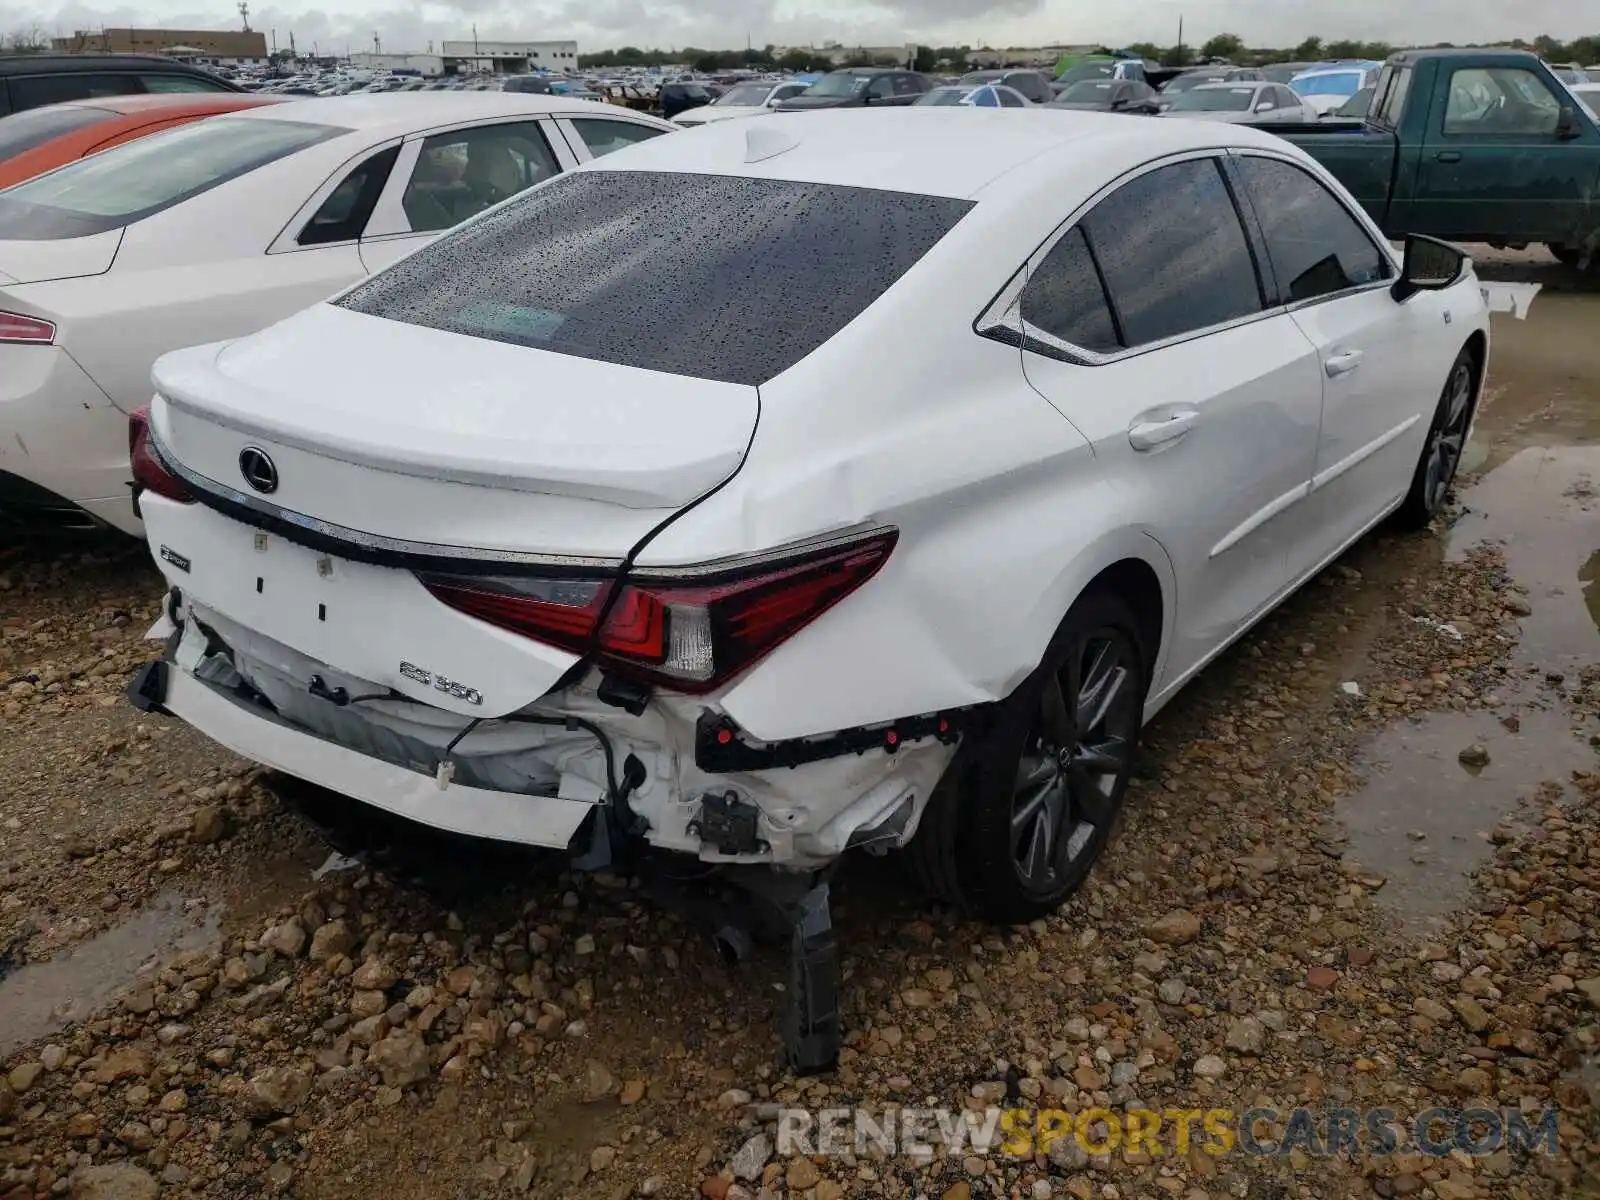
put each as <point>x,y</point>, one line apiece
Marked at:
<point>1234,85</point>
<point>921,149</point>
<point>398,113</point>
<point>56,64</point>
<point>172,103</point>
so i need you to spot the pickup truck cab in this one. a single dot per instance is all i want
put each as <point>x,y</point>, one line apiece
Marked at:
<point>1471,146</point>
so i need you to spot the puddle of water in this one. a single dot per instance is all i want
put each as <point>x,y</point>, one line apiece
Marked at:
<point>1537,443</point>
<point>40,998</point>
<point>1418,787</point>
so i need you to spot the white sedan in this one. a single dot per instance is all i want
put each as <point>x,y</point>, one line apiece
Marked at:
<point>744,100</point>
<point>511,541</point>
<point>1242,104</point>
<point>218,229</point>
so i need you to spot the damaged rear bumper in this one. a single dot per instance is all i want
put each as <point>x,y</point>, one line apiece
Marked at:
<point>535,776</point>
<point>256,734</point>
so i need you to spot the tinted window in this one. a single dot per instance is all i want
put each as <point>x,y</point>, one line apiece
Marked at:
<point>343,215</point>
<point>1500,101</point>
<point>881,87</point>
<point>1314,243</point>
<point>1010,99</point>
<point>165,84</point>
<point>133,181</point>
<point>461,173</point>
<point>31,91</point>
<point>602,136</point>
<point>1394,96</point>
<point>1173,253</point>
<point>666,272</point>
<point>1216,99</point>
<point>1064,297</point>
<point>907,85</point>
<point>25,130</point>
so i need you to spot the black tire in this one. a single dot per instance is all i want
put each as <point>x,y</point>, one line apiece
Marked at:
<point>1569,256</point>
<point>1441,452</point>
<point>1012,844</point>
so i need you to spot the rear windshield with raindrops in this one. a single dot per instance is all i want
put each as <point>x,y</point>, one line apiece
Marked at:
<point>710,276</point>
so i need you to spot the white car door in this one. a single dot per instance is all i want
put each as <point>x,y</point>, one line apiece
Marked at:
<point>1147,325</point>
<point>1382,363</point>
<point>443,177</point>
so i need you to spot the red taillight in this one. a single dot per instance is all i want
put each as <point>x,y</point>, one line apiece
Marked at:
<point>149,472</point>
<point>671,628</point>
<point>28,331</point>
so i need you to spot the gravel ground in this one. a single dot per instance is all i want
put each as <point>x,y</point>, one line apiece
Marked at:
<point>1359,868</point>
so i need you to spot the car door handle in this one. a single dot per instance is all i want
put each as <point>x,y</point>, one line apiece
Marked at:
<point>1147,435</point>
<point>1341,363</point>
<point>1448,156</point>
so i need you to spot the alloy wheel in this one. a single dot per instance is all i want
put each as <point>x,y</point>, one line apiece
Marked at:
<point>1445,444</point>
<point>1077,751</point>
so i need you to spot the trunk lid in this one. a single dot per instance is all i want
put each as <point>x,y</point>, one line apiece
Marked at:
<point>62,258</point>
<point>428,436</point>
<point>398,448</point>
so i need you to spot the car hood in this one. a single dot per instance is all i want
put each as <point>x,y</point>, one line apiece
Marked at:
<point>801,103</point>
<point>1224,118</point>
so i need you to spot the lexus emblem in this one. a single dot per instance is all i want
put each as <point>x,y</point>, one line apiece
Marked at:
<point>258,469</point>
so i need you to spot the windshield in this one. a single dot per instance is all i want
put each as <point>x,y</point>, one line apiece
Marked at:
<point>1088,70</point>
<point>1184,83</point>
<point>746,95</point>
<point>598,265</point>
<point>133,181</point>
<point>1281,72</point>
<point>25,130</point>
<point>1089,91</point>
<point>1330,83</point>
<point>978,78</point>
<point>943,95</point>
<point>839,84</point>
<point>1225,99</point>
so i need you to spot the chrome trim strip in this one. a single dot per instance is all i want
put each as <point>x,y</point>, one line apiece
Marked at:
<point>372,542</point>
<point>734,563</point>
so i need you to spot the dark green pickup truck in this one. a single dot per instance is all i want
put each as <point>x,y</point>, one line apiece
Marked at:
<point>1473,146</point>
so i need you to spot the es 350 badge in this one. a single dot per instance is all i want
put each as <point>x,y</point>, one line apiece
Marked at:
<point>439,683</point>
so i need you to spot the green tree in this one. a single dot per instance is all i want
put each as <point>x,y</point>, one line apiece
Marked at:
<point>859,58</point>
<point>1342,49</point>
<point>1145,50</point>
<point>925,60</point>
<point>1224,45</point>
<point>1176,56</point>
<point>1309,50</point>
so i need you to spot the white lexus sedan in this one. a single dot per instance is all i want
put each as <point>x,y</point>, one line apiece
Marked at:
<point>511,541</point>
<point>218,229</point>
<point>743,100</point>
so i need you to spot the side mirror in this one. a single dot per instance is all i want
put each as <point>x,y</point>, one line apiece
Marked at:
<point>1567,124</point>
<point>1430,266</point>
<point>1264,106</point>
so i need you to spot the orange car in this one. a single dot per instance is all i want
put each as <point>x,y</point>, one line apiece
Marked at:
<point>37,140</point>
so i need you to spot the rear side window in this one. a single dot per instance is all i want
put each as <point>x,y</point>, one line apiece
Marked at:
<point>166,84</point>
<point>32,91</point>
<point>666,272</point>
<point>1173,253</point>
<point>1314,243</point>
<point>343,215</point>
<point>1066,299</point>
<point>604,137</point>
<point>26,130</point>
<point>138,179</point>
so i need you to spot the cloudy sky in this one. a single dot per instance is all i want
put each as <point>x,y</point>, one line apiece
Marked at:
<point>723,23</point>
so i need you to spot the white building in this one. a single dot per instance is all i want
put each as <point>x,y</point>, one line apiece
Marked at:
<point>510,58</point>
<point>424,64</point>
